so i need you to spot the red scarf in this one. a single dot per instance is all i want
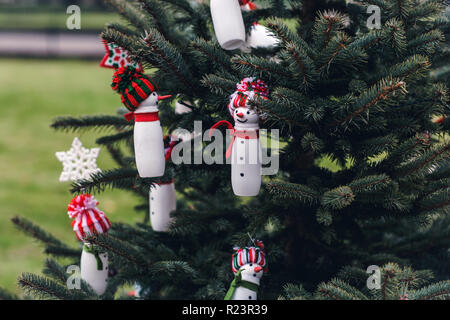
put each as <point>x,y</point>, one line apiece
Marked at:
<point>142,117</point>
<point>244,134</point>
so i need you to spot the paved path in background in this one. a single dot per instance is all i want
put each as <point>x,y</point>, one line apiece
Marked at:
<point>29,44</point>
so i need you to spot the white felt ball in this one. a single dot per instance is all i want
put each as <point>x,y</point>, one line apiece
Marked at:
<point>260,37</point>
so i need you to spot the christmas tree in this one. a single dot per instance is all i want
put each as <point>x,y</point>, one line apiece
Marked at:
<point>364,155</point>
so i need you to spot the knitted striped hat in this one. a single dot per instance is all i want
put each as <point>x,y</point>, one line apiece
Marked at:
<point>133,86</point>
<point>247,90</point>
<point>246,255</point>
<point>89,219</point>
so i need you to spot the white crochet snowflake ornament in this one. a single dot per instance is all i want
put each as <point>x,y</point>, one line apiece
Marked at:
<point>78,162</point>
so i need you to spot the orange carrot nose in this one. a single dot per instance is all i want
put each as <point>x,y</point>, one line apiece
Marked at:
<point>258,269</point>
<point>164,97</point>
<point>240,115</point>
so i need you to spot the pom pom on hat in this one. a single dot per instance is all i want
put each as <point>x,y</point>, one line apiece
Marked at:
<point>246,255</point>
<point>247,90</point>
<point>253,85</point>
<point>89,219</point>
<point>133,86</point>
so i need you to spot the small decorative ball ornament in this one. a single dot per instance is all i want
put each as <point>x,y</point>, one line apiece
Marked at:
<point>88,221</point>
<point>162,196</point>
<point>248,265</point>
<point>245,148</point>
<point>260,37</point>
<point>138,94</point>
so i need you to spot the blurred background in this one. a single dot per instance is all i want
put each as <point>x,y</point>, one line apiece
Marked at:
<point>46,71</point>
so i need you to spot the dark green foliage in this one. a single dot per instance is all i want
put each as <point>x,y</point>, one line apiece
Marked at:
<point>395,283</point>
<point>363,98</point>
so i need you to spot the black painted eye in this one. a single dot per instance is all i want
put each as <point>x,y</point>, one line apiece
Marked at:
<point>251,264</point>
<point>248,112</point>
<point>254,274</point>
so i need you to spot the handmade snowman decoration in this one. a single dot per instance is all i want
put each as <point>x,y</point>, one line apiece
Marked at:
<point>89,220</point>
<point>248,265</point>
<point>228,22</point>
<point>139,95</point>
<point>245,148</point>
<point>162,195</point>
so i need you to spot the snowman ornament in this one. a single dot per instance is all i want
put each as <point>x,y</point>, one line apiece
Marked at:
<point>162,196</point>
<point>139,95</point>
<point>89,220</point>
<point>248,265</point>
<point>245,147</point>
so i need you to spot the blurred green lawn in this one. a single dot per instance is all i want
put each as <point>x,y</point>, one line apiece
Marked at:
<point>32,93</point>
<point>54,20</point>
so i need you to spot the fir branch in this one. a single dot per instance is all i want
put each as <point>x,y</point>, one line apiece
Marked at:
<point>426,43</point>
<point>294,292</point>
<point>338,198</point>
<point>36,232</point>
<point>379,92</point>
<point>5,295</point>
<point>435,291</point>
<point>59,251</point>
<point>370,183</point>
<point>281,30</point>
<point>301,65</point>
<point>108,140</point>
<point>250,64</point>
<point>413,67</point>
<point>285,190</point>
<point>337,289</point>
<point>195,16</point>
<point>217,84</point>
<point>159,16</point>
<point>122,29</point>
<point>326,26</point>
<point>46,288</point>
<point>168,57</point>
<point>117,155</point>
<point>422,164</point>
<point>129,11</point>
<point>119,248</point>
<point>99,182</point>
<point>393,32</point>
<point>55,270</point>
<point>212,52</point>
<point>89,122</point>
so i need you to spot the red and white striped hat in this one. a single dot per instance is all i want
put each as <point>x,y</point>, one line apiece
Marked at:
<point>89,219</point>
<point>246,90</point>
<point>246,255</point>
